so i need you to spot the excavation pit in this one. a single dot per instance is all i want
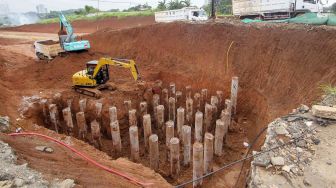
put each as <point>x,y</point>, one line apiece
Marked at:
<point>95,120</point>
<point>277,70</point>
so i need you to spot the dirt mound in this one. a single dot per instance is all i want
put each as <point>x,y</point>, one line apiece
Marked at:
<point>87,26</point>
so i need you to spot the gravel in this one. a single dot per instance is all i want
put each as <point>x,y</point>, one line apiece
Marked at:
<point>13,175</point>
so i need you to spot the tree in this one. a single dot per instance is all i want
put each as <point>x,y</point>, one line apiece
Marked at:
<point>186,3</point>
<point>224,6</point>
<point>176,4</point>
<point>139,8</point>
<point>90,9</point>
<point>221,7</point>
<point>162,5</point>
<point>333,8</point>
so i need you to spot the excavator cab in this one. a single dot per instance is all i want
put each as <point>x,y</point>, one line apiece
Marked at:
<point>103,74</point>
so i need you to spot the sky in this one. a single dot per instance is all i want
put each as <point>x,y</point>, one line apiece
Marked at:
<point>30,5</point>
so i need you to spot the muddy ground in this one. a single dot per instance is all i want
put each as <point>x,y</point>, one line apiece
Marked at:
<point>279,68</point>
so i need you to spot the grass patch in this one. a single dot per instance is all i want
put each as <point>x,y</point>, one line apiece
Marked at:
<point>101,15</point>
<point>328,89</point>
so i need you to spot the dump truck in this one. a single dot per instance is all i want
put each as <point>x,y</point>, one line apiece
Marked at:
<point>68,42</point>
<point>274,9</point>
<point>47,49</point>
<point>184,14</point>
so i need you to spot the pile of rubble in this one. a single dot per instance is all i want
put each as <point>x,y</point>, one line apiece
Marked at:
<point>291,158</point>
<point>290,144</point>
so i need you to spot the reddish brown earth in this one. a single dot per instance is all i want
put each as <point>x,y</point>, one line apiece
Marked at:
<point>87,26</point>
<point>278,70</point>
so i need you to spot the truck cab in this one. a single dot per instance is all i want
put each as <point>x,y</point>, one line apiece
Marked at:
<point>198,15</point>
<point>308,6</point>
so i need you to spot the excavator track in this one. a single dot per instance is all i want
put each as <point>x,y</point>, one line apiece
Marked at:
<point>92,92</point>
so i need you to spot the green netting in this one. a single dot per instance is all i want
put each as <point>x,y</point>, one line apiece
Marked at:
<point>248,20</point>
<point>308,18</point>
<point>332,20</point>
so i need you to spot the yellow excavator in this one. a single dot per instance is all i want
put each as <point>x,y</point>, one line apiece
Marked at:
<point>93,79</point>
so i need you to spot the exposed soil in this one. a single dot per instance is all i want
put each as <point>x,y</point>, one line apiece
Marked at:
<point>87,26</point>
<point>64,164</point>
<point>278,69</point>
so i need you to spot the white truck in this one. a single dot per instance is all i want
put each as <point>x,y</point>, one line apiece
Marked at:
<point>47,49</point>
<point>274,9</point>
<point>184,14</point>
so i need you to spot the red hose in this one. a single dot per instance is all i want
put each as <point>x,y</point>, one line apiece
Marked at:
<point>131,179</point>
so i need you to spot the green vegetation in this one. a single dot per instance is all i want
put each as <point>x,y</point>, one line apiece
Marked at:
<point>333,8</point>
<point>223,7</point>
<point>100,15</point>
<point>173,4</point>
<point>144,7</point>
<point>328,89</point>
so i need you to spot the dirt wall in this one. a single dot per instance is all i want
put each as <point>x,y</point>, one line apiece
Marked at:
<point>88,26</point>
<point>278,68</point>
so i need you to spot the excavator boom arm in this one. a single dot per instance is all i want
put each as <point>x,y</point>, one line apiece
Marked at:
<point>125,63</point>
<point>64,23</point>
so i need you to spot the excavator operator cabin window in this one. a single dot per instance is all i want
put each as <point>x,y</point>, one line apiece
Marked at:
<point>90,69</point>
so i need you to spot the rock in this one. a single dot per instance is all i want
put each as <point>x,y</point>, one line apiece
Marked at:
<point>6,184</point>
<point>18,182</point>
<point>309,123</point>
<point>307,160</point>
<point>303,108</point>
<point>4,124</point>
<point>296,135</point>
<point>44,149</point>
<point>278,161</point>
<point>306,182</point>
<point>299,150</point>
<point>268,167</point>
<point>48,150</point>
<point>40,148</point>
<point>329,163</point>
<point>301,143</point>
<point>68,183</point>
<point>262,160</point>
<point>286,168</point>
<point>292,118</point>
<point>280,129</point>
<point>295,170</point>
<point>316,140</point>
<point>324,112</point>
